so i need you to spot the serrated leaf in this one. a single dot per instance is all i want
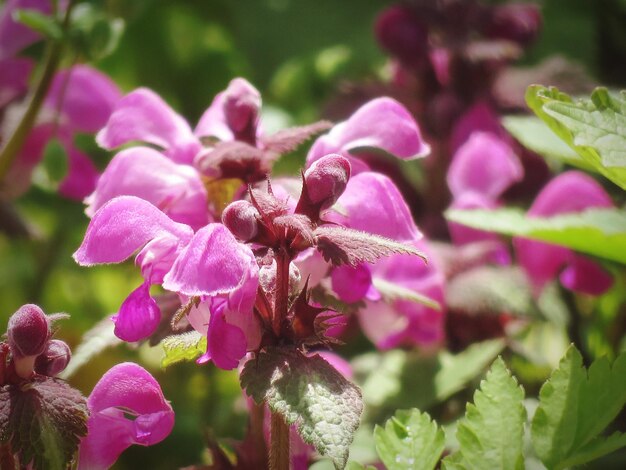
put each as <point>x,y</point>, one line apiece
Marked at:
<point>42,23</point>
<point>287,140</point>
<point>43,422</point>
<point>575,406</point>
<point>391,291</point>
<point>310,393</point>
<point>535,135</point>
<point>340,246</point>
<point>595,128</point>
<point>410,440</point>
<point>183,347</point>
<point>598,232</point>
<point>490,290</point>
<point>491,434</point>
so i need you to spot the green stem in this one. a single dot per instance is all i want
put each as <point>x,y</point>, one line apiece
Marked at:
<point>279,446</point>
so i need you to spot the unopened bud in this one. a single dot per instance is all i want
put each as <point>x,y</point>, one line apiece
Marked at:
<point>242,103</point>
<point>326,180</point>
<point>54,359</point>
<point>28,331</point>
<point>517,22</point>
<point>399,32</point>
<point>240,217</point>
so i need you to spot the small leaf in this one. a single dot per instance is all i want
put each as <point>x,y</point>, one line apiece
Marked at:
<point>93,33</point>
<point>55,161</point>
<point>288,140</point>
<point>575,406</point>
<point>491,434</point>
<point>184,347</point>
<point>310,393</point>
<point>340,245</point>
<point>42,23</point>
<point>43,422</point>
<point>598,232</point>
<point>409,441</point>
<point>595,128</point>
<point>391,291</point>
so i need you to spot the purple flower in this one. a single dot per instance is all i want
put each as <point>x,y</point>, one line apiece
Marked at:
<point>569,192</point>
<point>382,124</point>
<point>126,407</point>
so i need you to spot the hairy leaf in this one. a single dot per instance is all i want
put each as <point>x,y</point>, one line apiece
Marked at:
<point>491,434</point>
<point>183,347</point>
<point>310,393</point>
<point>43,422</point>
<point>287,140</point>
<point>595,128</point>
<point>340,245</point>
<point>409,441</point>
<point>575,406</point>
<point>598,232</point>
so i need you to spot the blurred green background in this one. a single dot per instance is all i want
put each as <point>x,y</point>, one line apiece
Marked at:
<point>298,54</point>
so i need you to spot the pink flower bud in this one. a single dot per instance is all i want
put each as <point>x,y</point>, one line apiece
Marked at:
<point>326,180</point>
<point>54,359</point>
<point>242,103</point>
<point>517,22</point>
<point>28,331</point>
<point>240,217</point>
<point>399,31</point>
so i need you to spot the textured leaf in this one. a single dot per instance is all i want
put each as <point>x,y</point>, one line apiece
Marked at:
<point>43,422</point>
<point>491,434</point>
<point>575,406</point>
<point>308,392</point>
<point>490,289</point>
<point>391,291</point>
<point>409,441</point>
<point>183,347</point>
<point>595,128</point>
<point>397,378</point>
<point>340,245</point>
<point>598,232</point>
<point>287,140</point>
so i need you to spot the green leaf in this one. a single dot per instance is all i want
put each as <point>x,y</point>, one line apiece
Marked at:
<point>598,232</point>
<point>491,434</point>
<point>397,378</point>
<point>410,440</point>
<point>595,128</point>
<point>43,421</point>
<point>93,33</point>
<point>535,135</point>
<point>308,392</point>
<point>44,24</point>
<point>184,347</point>
<point>55,161</point>
<point>575,406</point>
<point>391,292</point>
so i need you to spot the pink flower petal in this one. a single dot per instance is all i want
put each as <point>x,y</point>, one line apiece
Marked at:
<point>480,117</point>
<point>143,172</point>
<point>213,122</point>
<point>586,276</point>
<point>84,96</point>
<point>351,284</point>
<point>138,317</point>
<point>382,123</point>
<point>14,78</point>
<point>125,389</point>
<point>81,177</point>
<point>485,165</point>
<point>213,263</point>
<point>142,116</point>
<point>226,343</point>
<point>121,227</point>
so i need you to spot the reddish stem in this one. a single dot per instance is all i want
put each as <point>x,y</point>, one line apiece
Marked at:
<point>281,307</point>
<point>279,449</point>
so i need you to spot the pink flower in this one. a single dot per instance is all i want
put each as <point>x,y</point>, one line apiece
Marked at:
<point>569,192</point>
<point>126,407</point>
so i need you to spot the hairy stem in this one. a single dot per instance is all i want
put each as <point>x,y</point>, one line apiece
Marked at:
<point>282,290</point>
<point>279,448</point>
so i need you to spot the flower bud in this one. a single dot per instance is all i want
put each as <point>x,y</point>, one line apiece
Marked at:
<point>54,359</point>
<point>242,103</point>
<point>517,22</point>
<point>326,180</point>
<point>240,217</point>
<point>399,31</point>
<point>28,331</point>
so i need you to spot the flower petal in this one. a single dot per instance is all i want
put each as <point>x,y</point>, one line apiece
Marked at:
<point>351,284</point>
<point>480,117</point>
<point>213,121</point>
<point>14,78</point>
<point>143,172</point>
<point>125,389</point>
<point>586,276</point>
<point>226,343</point>
<point>121,227</point>
<point>138,317</point>
<point>382,123</point>
<point>81,177</point>
<point>143,116</point>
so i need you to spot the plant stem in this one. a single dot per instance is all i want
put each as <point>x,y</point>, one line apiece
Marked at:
<point>282,290</point>
<point>575,327</point>
<point>279,448</point>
